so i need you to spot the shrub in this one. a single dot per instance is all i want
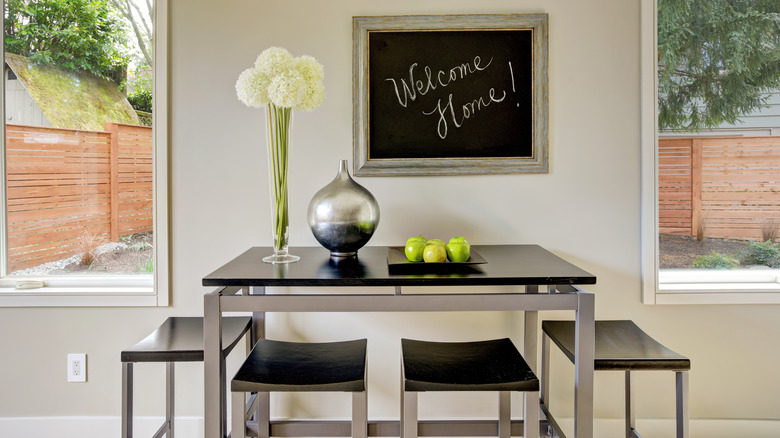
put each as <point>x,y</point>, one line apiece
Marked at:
<point>88,244</point>
<point>715,260</point>
<point>762,253</point>
<point>141,100</point>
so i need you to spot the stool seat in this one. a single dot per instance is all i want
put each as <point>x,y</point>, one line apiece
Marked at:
<point>493,365</point>
<point>297,366</point>
<point>280,366</point>
<point>620,345</point>
<point>180,339</point>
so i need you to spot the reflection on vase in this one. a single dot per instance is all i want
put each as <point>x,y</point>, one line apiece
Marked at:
<point>343,215</point>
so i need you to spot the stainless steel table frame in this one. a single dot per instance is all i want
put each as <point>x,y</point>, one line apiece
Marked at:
<point>549,284</point>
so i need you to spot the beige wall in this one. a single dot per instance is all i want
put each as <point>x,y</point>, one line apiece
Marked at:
<point>587,209</point>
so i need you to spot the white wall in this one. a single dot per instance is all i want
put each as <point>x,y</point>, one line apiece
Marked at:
<point>586,210</point>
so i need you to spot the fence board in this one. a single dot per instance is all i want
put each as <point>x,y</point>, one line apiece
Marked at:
<point>737,185</point>
<point>59,182</point>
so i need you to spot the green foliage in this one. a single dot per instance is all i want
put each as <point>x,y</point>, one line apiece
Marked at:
<point>717,59</point>
<point>86,35</point>
<point>715,260</point>
<point>146,267</point>
<point>763,253</point>
<point>141,100</point>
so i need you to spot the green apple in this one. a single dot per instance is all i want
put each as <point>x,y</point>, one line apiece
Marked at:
<point>458,252</point>
<point>459,239</point>
<point>414,248</point>
<point>435,253</point>
<point>436,242</point>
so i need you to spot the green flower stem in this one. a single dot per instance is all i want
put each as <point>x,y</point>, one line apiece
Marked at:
<point>279,119</point>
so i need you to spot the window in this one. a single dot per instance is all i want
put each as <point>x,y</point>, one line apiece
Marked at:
<point>689,286</point>
<point>85,182</point>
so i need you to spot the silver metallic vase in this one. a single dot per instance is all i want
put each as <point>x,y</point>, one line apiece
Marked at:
<point>343,215</point>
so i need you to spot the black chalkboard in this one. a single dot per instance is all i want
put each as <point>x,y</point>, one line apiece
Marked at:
<point>450,94</point>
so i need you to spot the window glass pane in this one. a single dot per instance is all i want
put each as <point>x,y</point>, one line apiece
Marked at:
<point>719,134</point>
<point>79,141</point>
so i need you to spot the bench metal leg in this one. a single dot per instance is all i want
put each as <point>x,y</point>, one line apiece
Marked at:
<point>505,414</point>
<point>683,416</point>
<point>359,414</point>
<point>630,406</point>
<point>170,388</point>
<point>127,399</point>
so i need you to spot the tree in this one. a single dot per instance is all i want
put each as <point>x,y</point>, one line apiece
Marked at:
<point>717,59</point>
<point>141,23</point>
<point>83,35</point>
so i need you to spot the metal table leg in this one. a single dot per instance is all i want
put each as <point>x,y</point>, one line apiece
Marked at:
<point>584,352</point>
<point>213,368</point>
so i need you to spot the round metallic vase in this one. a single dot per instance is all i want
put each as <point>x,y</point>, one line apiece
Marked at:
<point>343,215</point>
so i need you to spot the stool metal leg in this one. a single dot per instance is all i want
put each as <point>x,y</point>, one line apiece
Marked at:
<point>127,399</point>
<point>359,414</point>
<point>169,397</point>
<point>263,414</point>
<point>545,386</point>
<point>683,416</point>
<point>630,410</point>
<point>505,414</point>
<point>408,414</point>
<point>238,416</point>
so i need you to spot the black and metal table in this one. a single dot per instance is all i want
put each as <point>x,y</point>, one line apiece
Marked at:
<point>544,282</point>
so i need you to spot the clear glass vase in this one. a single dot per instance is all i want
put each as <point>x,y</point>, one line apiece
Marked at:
<point>278,142</point>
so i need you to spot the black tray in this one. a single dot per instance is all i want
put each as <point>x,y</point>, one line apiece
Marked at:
<point>396,258</point>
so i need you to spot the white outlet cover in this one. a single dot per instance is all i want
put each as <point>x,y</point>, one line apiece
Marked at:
<point>77,367</point>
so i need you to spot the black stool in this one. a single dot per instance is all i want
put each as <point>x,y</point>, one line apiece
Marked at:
<point>493,365</point>
<point>620,345</point>
<point>178,339</point>
<point>278,366</point>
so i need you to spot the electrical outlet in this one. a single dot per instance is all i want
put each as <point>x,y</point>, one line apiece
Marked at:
<point>77,367</point>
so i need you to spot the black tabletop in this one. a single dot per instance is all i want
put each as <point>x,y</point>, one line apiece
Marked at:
<point>503,265</point>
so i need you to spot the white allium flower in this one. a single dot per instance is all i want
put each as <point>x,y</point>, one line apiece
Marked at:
<point>313,74</point>
<point>285,81</point>
<point>252,88</point>
<point>312,97</point>
<point>311,70</point>
<point>273,61</point>
<point>287,89</point>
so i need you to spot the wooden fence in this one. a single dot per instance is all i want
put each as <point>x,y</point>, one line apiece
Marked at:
<point>64,183</point>
<point>727,187</point>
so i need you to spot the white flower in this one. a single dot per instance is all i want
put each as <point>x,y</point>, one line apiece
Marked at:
<point>251,88</point>
<point>313,74</point>
<point>286,90</point>
<point>273,61</point>
<point>282,80</point>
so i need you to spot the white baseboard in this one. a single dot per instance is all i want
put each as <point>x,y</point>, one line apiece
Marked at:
<point>93,427</point>
<point>192,427</point>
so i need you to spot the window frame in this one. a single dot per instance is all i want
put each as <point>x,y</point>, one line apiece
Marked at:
<point>679,286</point>
<point>110,290</point>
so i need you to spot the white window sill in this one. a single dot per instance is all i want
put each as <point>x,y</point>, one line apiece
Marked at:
<point>114,291</point>
<point>718,287</point>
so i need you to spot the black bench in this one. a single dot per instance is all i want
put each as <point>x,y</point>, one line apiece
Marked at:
<point>620,345</point>
<point>178,339</point>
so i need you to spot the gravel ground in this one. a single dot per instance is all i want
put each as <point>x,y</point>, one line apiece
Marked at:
<point>129,256</point>
<point>677,252</point>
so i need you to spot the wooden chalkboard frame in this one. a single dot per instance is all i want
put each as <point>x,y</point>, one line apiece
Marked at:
<point>363,163</point>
